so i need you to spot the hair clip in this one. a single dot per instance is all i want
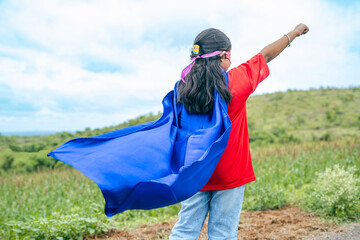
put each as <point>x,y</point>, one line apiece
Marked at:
<point>196,49</point>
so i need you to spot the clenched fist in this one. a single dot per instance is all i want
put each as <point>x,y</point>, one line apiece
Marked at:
<point>301,29</point>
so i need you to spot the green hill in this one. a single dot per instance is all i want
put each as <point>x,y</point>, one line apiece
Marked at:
<point>284,117</point>
<point>321,114</point>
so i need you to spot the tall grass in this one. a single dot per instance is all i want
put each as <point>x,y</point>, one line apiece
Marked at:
<point>282,171</point>
<point>61,194</point>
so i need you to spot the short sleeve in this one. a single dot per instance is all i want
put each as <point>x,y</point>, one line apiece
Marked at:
<point>244,79</point>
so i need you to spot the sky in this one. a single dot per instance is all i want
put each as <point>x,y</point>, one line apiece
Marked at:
<point>70,64</point>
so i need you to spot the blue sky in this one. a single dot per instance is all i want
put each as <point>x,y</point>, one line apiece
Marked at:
<point>68,65</point>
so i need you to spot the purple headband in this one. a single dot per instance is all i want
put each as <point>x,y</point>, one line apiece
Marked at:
<point>188,68</point>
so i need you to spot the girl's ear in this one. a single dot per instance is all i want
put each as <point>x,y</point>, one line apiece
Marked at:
<point>222,54</point>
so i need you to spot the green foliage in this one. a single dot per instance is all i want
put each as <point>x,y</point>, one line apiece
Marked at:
<point>277,96</point>
<point>335,193</point>
<point>58,226</point>
<point>49,202</point>
<point>278,131</point>
<point>15,147</point>
<point>6,165</point>
<point>267,197</point>
<point>251,123</point>
<point>283,170</point>
<point>347,97</point>
<point>282,136</point>
<point>261,137</point>
<point>40,160</point>
<point>330,115</point>
<point>305,114</point>
<point>326,136</point>
<point>25,146</point>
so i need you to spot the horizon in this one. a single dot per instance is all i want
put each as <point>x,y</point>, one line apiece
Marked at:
<point>66,66</point>
<point>51,132</point>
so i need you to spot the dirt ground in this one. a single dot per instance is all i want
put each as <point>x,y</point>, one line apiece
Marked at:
<point>285,223</point>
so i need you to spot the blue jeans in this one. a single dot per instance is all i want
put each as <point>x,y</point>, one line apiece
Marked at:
<point>224,208</point>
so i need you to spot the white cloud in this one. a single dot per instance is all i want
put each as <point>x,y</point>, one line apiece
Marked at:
<point>45,45</point>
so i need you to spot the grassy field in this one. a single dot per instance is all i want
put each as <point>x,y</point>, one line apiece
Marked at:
<point>63,202</point>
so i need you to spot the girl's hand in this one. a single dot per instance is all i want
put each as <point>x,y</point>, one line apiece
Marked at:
<point>272,50</point>
<point>301,29</point>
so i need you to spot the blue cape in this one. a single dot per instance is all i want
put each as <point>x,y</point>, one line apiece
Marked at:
<point>154,164</point>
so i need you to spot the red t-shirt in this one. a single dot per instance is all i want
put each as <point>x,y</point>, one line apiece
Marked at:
<point>235,167</point>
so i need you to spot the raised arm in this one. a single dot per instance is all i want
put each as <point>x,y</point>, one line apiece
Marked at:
<point>272,50</point>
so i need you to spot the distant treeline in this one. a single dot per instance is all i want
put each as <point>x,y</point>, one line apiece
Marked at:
<point>283,117</point>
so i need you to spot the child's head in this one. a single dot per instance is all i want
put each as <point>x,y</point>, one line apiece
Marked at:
<point>211,40</point>
<point>212,53</point>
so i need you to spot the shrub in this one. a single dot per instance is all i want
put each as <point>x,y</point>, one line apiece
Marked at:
<point>264,196</point>
<point>277,96</point>
<point>15,147</point>
<point>278,131</point>
<point>289,138</point>
<point>336,193</point>
<point>251,123</point>
<point>33,147</point>
<point>326,136</point>
<point>346,97</point>
<point>300,120</point>
<point>330,115</point>
<point>7,164</point>
<point>283,137</point>
<point>313,137</point>
<point>261,137</point>
<point>40,160</point>
<point>58,226</point>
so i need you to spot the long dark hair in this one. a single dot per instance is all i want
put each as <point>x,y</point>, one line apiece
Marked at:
<point>197,94</point>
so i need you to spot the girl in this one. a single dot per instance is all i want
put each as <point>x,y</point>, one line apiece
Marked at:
<point>223,194</point>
